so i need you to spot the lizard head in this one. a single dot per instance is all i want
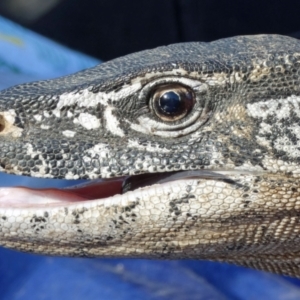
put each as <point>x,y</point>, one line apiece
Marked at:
<point>215,124</point>
<point>227,105</point>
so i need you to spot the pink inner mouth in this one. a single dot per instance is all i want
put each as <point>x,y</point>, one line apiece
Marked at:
<point>93,190</point>
<point>98,189</point>
<point>24,197</point>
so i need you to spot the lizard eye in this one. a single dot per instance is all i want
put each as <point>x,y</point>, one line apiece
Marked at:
<point>172,102</point>
<point>172,106</point>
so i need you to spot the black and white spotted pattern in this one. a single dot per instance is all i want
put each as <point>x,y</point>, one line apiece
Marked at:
<point>97,123</point>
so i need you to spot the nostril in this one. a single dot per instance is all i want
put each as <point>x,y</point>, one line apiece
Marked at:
<point>8,126</point>
<point>2,123</point>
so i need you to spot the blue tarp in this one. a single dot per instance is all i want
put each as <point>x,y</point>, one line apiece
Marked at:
<point>25,56</point>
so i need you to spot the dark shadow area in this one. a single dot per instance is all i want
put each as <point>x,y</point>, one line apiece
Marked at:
<point>110,28</point>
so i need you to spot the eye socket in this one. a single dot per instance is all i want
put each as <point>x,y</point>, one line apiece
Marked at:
<point>172,102</point>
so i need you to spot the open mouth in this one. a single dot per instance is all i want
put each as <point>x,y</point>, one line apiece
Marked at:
<point>99,189</point>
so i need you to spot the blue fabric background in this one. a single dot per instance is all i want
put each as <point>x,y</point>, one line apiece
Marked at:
<point>25,56</point>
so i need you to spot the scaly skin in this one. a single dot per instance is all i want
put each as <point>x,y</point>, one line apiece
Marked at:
<point>243,132</point>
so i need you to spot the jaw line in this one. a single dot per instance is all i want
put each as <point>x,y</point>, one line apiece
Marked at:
<point>102,190</point>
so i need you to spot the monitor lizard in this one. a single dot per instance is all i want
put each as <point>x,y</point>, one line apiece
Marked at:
<point>195,149</point>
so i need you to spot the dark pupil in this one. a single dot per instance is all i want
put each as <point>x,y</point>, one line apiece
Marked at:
<point>170,103</point>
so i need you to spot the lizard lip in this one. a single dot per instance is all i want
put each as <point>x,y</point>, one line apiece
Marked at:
<point>19,197</point>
